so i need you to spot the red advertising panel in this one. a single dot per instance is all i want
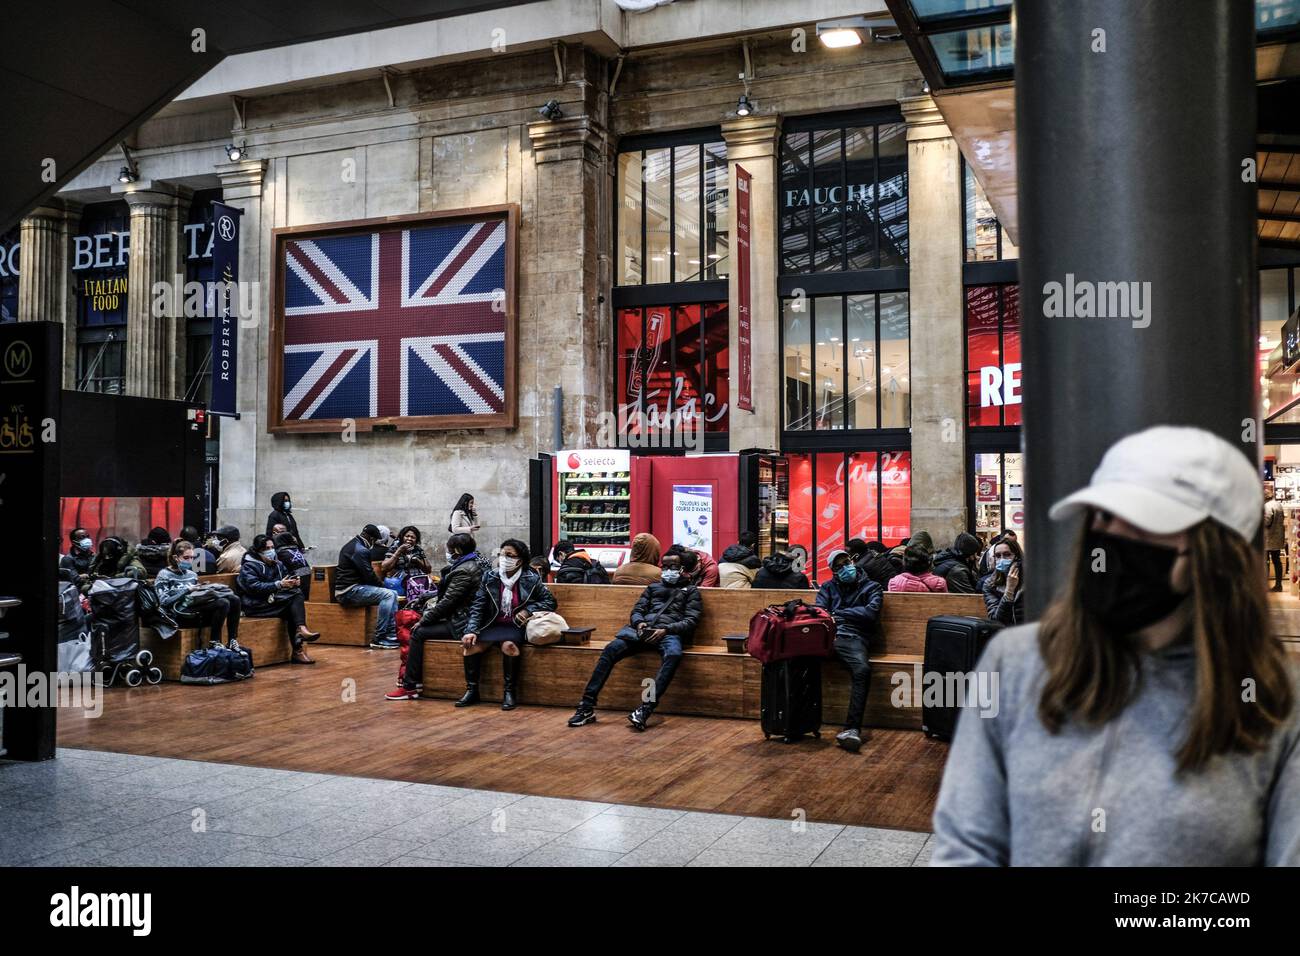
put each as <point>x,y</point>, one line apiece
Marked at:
<point>745,399</point>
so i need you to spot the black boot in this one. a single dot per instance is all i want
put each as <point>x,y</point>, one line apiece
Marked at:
<point>509,671</point>
<point>473,665</point>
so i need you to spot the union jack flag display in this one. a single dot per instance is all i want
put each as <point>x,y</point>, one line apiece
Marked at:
<point>395,322</point>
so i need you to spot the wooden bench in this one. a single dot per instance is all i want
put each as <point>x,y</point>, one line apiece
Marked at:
<point>711,682</point>
<point>337,624</point>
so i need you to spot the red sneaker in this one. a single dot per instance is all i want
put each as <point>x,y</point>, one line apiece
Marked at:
<point>401,693</point>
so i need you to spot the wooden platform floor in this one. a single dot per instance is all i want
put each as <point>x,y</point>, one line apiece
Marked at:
<point>332,718</point>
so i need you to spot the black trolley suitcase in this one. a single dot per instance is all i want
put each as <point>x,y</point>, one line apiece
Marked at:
<point>953,644</point>
<point>791,702</point>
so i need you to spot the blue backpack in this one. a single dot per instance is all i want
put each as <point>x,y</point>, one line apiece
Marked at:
<point>217,664</point>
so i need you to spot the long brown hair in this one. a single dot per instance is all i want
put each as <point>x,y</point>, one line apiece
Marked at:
<point>1092,676</point>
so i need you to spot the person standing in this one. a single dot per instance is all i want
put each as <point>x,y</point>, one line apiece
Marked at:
<point>464,519</point>
<point>854,601</point>
<point>1274,535</point>
<point>282,513</point>
<point>1128,695</point>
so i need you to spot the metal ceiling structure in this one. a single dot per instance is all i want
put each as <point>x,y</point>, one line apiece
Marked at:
<point>81,75</point>
<point>965,52</point>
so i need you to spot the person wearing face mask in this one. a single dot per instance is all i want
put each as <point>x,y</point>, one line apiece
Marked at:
<point>230,552</point>
<point>1004,591</point>
<point>115,559</point>
<point>355,585</point>
<point>269,590</point>
<point>665,615</point>
<point>854,601</point>
<point>507,597</point>
<point>282,514</point>
<point>446,618</point>
<point>174,584</point>
<point>75,565</point>
<point>1153,686</point>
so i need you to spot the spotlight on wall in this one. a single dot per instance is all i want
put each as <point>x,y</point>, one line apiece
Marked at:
<point>744,107</point>
<point>235,152</point>
<point>551,110</point>
<point>128,174</point>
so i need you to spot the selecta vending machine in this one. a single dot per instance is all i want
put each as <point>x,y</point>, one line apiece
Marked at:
<point>592,491</point>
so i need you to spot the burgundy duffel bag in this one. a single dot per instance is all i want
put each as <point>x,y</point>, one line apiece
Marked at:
<point>794,629</point>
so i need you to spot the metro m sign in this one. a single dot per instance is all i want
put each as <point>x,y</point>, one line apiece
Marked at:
<point>1000,385</point>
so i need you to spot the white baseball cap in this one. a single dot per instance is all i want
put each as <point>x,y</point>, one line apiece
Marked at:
<point>1168,478</point>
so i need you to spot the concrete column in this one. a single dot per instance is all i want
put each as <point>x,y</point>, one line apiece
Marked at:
<point>45,287</point>
<point>1137,238</point>
<point>149,356</point>
<point>936,302</point>
<point>242,187</point>
<point>571,337</point>
<point>754,142</point>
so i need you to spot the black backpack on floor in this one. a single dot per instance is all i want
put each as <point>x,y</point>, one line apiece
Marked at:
<point>217,664</point>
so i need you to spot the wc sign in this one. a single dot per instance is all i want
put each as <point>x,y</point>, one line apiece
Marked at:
<point>1000,385</point>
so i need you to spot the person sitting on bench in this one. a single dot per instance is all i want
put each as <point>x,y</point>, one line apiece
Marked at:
<point>446,618</point>
<point>853,600</point>
<point>355,585</point>
<point>666,613</point>
<point>269,590</point>
<point>507,597</point>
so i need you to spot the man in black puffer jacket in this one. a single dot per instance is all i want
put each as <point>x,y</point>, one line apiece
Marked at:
<point>666,614</point>
<point>878,564</point>
<point>956,565</point>
<point>778,572</point>
<point>576,566</point>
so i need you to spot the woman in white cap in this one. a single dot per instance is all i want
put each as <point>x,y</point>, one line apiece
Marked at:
<point>1150,718</point>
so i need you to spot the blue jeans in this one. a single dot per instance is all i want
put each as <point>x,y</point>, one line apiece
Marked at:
<point>670,655</point>
<point>364,595</point>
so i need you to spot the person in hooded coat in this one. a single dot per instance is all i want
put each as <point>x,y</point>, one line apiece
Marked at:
<point>878,564</point>
<point>576,566</point>
<point>957,565</point>
<point>230,553</point>
<point>642,566</point>
<point>738,567</point>
<point>778,572</point>
<point>153,552</point>
<point>282,513</point>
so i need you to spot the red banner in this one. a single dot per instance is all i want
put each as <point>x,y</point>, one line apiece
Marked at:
<point>745,399</point>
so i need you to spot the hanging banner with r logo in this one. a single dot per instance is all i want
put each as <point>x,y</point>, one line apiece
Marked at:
<point>225,321</point>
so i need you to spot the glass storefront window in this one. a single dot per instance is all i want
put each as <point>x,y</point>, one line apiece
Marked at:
<point>847,361</point>
<point>986,240</point>
<point>672,367</point>
<point>843,197</point>
<point>100,253</point>
<point>672,214</point>
<point>993,355</point>
<point>835,496</point>
<point>999,495</point>
<point>1279,294</point>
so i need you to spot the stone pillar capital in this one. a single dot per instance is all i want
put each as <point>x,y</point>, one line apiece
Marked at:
<point>570,137</point>
<point>752,137</point>
<point>923,119</point>
<point>147,197</point>
<point>242,180</point>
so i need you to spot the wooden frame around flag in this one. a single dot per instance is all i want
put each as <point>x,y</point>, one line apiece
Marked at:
<point>506,416</point>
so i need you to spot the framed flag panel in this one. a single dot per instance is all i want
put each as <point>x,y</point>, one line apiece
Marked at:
<point>406,322</point>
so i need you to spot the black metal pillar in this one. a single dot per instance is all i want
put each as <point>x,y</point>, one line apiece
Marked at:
<point>1133,122</point>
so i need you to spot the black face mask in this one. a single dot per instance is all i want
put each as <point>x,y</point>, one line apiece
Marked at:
<point>1134,591</point>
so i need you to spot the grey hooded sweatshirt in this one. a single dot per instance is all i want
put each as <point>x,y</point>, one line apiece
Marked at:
<point>1014,794</point>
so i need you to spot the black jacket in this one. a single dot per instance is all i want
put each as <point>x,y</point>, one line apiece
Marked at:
<point>279,516</point>
<point>880,567</point>
<point>354,567</point>
<point>577,568</point>
<point>999,608</point>
<point>257,581</point>
<point>952,566</point>
<point>74,564</point>
<point>456,593</point>
<point>776,572</point>
<point>674,607</point>
<point>152,556</point>
<point>855,606</point>
<point>739,554</point>
<point>533,596</point>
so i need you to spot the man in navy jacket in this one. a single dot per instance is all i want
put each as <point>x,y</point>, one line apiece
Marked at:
<point>355,585</point>
<point>853,600</point>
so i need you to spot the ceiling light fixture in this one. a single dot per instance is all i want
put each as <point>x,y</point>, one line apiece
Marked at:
<point>235,152</point>
<point>551,110</point>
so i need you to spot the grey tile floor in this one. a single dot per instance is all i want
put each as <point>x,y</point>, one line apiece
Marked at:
<point>106,809</point>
